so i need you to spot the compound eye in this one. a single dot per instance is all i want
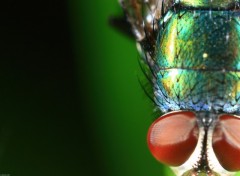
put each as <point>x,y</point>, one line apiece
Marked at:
<point>226,142</point>
<point>173,137</point>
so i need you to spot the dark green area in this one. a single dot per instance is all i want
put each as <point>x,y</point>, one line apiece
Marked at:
<point>39,104</point>
<point>70,101</point>
<point>120,112</point>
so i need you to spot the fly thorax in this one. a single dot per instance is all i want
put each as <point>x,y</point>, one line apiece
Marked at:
<point>198,60</point>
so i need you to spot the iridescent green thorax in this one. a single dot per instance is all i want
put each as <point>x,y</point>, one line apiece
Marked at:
<point>198,55</point>
<point>207,40</point>
<point>209,4</point>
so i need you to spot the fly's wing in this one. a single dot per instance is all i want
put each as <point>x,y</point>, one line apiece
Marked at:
<point>144,16</point>
<point>133,11</point>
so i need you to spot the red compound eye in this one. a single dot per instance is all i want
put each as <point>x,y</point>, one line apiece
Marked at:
<point>173,137</point>
<point>226,142</point>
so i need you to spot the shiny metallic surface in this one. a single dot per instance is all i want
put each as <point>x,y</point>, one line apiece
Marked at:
<point>217,4</point>
<point>198,90</point>
<point>198,58</point>
<point>200,40</point>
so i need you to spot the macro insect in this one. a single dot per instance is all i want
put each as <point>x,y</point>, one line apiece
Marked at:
<point>192,50</point>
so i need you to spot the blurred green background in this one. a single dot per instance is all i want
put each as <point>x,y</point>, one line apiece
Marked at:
<point>70,101</point>
<point>119,113</point>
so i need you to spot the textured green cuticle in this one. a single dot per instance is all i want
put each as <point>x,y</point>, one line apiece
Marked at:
<point>198,57</point>
<point>209,4</point>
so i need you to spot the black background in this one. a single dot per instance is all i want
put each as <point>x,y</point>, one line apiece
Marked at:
<point>41,129</point>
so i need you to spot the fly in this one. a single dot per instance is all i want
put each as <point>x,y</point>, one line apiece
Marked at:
<point>192,50</point>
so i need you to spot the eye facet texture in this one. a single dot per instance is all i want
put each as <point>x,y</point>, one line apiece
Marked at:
<point>173,137</point>
<point>226,142</point>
